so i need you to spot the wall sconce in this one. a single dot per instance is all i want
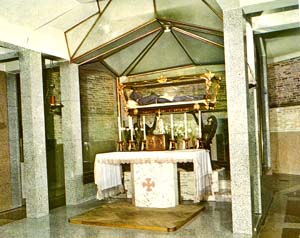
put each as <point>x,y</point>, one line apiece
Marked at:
<point>54,106</point>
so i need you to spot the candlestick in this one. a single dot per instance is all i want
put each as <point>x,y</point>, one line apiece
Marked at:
<point>185,125</point>
<point>129,123</point>
<point>144,127</point>
<point>119,128</point>
<point>130,127</point>
<point>199,122</point>
<point>172,126</point>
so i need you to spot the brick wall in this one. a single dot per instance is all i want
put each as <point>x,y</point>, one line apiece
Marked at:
<point>284,99</point>
<point>284,83</point>
<point>98,114</point>
<point>5,175</point>
<point>98,105</point>
<point>53,117</point>
<point>284,95</point>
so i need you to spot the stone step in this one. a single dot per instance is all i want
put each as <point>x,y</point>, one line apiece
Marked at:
<point>224,195</point>
<point>225,184</point>
<point>224,192</point>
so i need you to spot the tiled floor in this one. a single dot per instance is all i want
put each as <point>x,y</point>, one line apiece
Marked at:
<point>283,219</point>
<point>12,215</point>
<point>214,222</point>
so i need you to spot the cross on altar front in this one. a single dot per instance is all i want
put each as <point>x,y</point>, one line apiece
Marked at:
<point>148,184</point>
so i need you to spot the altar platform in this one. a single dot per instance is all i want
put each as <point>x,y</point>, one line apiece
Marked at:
<point>153,175</point>
<point>122,214</point>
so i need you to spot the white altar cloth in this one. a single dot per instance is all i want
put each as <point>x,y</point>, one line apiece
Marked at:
<point>107,168</point>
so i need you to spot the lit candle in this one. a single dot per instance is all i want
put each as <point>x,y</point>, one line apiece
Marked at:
<point>144,127</point>
<point>200,121</point>
<point>119,129</point>
<point>52,100</point>
<point>130,127</point>
<point>172,126</point>
<point>185,126</point>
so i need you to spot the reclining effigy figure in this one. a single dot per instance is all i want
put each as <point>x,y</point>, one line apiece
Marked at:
<point>146,100</point>
<point>210,90</point>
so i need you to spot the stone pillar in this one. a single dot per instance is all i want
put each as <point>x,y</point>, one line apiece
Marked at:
<point>14,143</point>
<point>237,104</point>
<point>71,131</point>
<point>34,143</point>
<point>254,125</point>
<point>267,157</point>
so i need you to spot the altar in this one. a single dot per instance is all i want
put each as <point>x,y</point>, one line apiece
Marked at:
<point>154,175</point>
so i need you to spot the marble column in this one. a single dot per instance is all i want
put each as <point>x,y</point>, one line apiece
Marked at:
<point>76,191</point>
<point>238,122</point>
<point>34,143</point>
<point>254,125</point>
<point>267,157</point>
<point>14,143</point>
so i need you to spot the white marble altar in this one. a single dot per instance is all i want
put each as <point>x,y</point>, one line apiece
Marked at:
<point>154,175</point>
<point>155,185</point>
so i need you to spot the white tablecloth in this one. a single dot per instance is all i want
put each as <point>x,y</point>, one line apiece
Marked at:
<point>108,170</point>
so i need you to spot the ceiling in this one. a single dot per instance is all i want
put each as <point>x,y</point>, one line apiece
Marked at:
<point>137,36</point>
<point>36,14</point>
<point>162,34</point>
<point>280,29</point>
<point>283,45</point>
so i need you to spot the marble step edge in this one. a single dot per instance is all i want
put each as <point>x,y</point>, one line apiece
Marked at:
<point>223,196</point>
<point>224,184</point>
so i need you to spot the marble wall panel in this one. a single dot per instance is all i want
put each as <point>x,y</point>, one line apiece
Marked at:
<point>14,150</point>
<point>285,152</point>
<point>5,171</point>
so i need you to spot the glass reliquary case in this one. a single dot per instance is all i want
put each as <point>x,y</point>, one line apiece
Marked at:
<point>163,97</point>
<point>176,94</point>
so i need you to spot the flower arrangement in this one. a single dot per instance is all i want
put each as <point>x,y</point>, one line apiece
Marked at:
<point>179,131</point>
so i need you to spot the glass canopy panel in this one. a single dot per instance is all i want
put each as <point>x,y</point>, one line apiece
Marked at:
<point>102,4</point>
<point>121,60</point>
<point>118,18</point>
<point>210,36</point>
<point>165,53</point>
<point>215,7</point>
<point>201,52</point>
<point>109,49</point>
<point>194,12</point>
<point>75,35</point>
